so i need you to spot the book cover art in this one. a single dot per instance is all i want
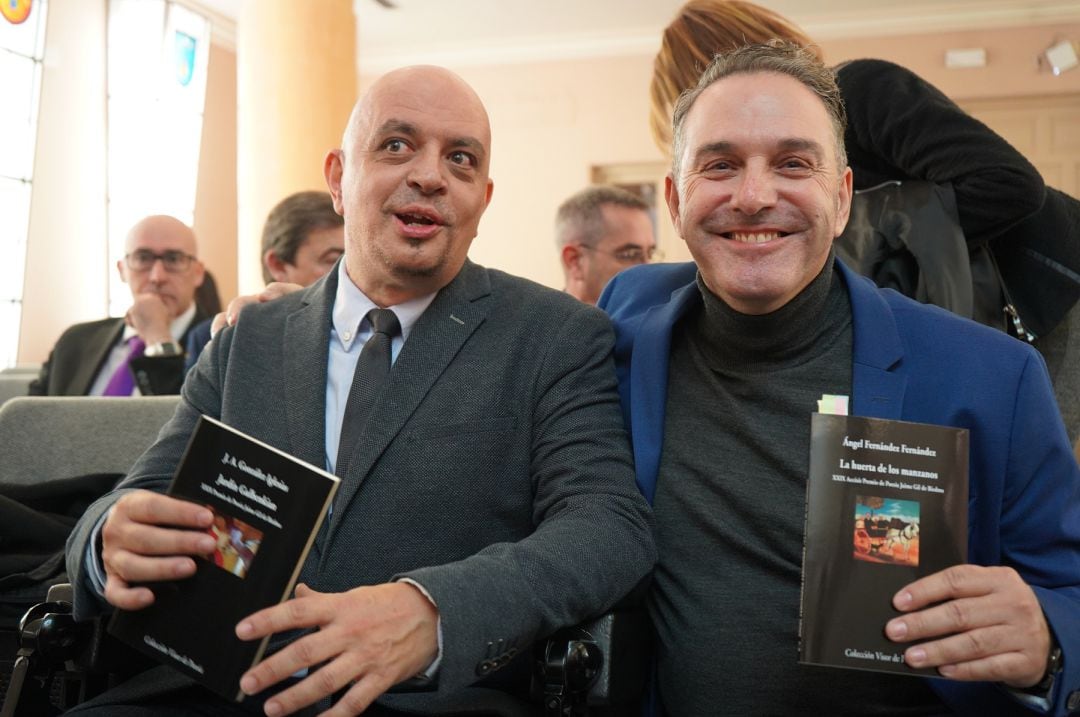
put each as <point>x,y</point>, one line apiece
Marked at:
<point>886,505</point>
<point>267,508</point>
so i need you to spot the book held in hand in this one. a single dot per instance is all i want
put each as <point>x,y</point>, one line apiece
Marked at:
<point>267,507</point>
<point>886,504</point>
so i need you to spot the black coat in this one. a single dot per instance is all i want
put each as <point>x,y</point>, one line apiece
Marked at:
<point>901,127</point>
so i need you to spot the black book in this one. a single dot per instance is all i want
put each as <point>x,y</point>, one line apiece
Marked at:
<point>268,507</point>
<point>886,504</point>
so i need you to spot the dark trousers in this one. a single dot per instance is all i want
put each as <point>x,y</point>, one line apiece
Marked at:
<point>198,702</point>
<point>164,692</point>
<point>159,694</point>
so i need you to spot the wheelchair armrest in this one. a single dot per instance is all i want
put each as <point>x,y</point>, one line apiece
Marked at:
<point>600,665</point>
<point>61,592</point>
<point>51,631</point>
<point>48,637</point>
<point>52,643</point>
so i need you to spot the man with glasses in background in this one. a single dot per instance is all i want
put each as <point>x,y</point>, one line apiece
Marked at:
<point>600,231</point>
<point>141,353</point>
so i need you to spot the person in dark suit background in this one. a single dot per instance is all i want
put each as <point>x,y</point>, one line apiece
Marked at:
<point>302,239</point>
<point>489,499</point>
<point>600,231</point>
<point>140,353</point>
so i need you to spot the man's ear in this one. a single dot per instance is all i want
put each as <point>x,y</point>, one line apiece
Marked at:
<point>200,270</point>
<point>333,167</point>
<point>671,194</point>
<point>571,256</point>
<point>275,265</point>
<point>121,268</point>
<point>843,202</point>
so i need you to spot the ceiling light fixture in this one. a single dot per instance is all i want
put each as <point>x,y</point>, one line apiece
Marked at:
<point>1059,57</point>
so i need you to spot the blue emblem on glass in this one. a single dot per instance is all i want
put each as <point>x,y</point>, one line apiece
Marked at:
<point>184,48</point>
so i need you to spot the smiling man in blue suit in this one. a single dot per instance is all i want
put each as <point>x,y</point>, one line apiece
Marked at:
<point>720,365</point>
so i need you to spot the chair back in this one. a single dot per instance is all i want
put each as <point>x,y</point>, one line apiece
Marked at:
<point>48,437</point>
<point>27,368</point>
<point>15,383</point>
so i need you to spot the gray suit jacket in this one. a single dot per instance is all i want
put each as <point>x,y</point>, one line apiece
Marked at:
<point>497,475</point>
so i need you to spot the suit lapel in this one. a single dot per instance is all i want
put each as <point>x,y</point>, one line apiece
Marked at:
<point>877,387</point>
<point>648,383</point>
<point>82,379</point>
<point>305,344</point>
<point>434,341</point>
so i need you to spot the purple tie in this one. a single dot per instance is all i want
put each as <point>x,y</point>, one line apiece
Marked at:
<point>122,383</point>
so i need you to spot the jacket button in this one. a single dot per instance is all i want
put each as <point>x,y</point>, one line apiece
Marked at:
<point>1074,701</point>
<point>484,667</point>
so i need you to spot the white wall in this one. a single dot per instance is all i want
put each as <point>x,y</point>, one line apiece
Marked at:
<point>553,122</point>
<point>67,252</point>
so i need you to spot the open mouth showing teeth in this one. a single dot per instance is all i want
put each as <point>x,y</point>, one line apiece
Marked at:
<point>415,219</point>
<point>755,237</point>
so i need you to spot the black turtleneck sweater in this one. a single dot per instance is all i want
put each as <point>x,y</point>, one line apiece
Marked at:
<point>729,513</point>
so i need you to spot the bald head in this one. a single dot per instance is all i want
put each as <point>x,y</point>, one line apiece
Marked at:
<point>411,180</point>
<point>415,81</point>
<point>162,228</point>
<point>160,258</point>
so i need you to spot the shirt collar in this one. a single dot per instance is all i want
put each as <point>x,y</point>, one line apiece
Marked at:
<point>177,327</point>
<point>351,305</point>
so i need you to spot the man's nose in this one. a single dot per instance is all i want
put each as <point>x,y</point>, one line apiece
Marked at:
<point>157,270</point>
<point>756,190</point>
<point>427,172</point>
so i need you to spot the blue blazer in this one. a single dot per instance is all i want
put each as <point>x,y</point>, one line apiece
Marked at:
<point>912,362</point>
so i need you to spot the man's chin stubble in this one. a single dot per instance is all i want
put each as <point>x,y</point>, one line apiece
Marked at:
<point>407,271</point>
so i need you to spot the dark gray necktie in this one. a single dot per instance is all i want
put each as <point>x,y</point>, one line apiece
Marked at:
<point>372,369</point>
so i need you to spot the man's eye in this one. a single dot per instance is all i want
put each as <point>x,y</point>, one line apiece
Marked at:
<point>463,158</point>
<point>394,145</point>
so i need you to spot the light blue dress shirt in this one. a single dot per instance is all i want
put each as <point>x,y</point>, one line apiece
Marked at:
<point>349,331</point>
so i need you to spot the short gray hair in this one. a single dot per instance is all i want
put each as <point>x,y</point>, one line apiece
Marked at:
<point>579,218</point>
<point>778,56</point>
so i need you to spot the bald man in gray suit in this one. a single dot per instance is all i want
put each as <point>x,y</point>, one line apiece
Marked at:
<point>490,499</point>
